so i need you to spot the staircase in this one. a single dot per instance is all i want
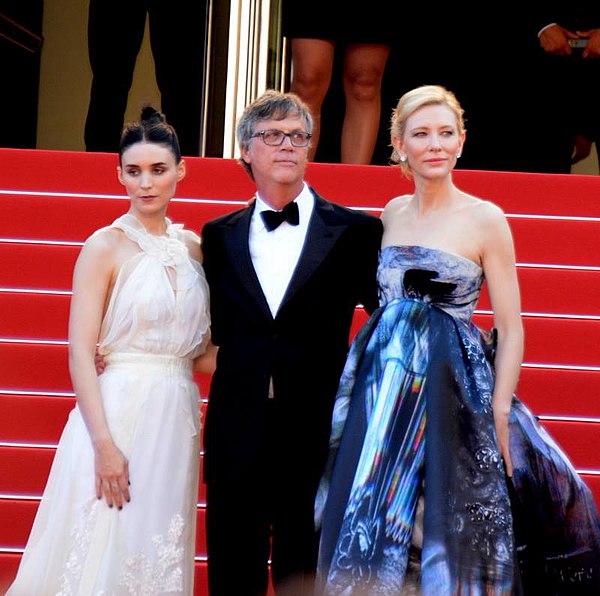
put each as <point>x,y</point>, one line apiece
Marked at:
<point>50,201</point>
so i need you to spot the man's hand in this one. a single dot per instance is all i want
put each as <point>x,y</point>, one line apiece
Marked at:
<point>592,50</point>
<point>555,40</point>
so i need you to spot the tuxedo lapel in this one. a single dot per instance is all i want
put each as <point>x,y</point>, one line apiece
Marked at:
<point>236,242</point>
<point>321,236</point>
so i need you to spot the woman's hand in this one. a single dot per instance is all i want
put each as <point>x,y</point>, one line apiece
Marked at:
<point>501,423</point>
<point>112,473</point>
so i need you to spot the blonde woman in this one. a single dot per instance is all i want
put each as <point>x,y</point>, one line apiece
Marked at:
<point>439,478</point>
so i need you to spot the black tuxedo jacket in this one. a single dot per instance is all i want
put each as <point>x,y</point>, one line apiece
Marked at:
<point>303,348</point>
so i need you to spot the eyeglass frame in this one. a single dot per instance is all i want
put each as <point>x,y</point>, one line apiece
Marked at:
<point>289,135</point>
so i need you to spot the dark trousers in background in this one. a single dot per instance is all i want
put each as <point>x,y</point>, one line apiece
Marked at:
<point>570,88</point>
<point>177,38</point>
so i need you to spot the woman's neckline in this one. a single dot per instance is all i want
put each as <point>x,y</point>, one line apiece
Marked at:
<point>442,250</point>
<point>139,225</point>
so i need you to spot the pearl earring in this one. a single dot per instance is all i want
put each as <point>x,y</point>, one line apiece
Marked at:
<point>403,158</point>
<point>458,155</point>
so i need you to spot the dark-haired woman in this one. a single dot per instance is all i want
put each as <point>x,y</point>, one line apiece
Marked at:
<point>118,514</point>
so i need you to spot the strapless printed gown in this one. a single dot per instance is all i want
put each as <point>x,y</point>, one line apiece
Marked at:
<point>156,322</point>
<point>413,437</point>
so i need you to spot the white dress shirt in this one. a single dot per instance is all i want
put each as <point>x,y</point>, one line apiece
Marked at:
<point>275,253</point>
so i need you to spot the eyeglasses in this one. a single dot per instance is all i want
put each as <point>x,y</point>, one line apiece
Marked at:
<point>275,138</point>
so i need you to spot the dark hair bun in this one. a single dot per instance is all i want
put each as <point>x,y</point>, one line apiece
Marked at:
<point>151,115</point>
<point>152,127</point>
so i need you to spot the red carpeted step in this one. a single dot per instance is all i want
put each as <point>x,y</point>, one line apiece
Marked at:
<point>38,418</point>
<point>556,291</point>
<point>515,192</point>
<point>579,440</point>
<point>556,241</point>
<point>560,392</point>
<point>24,471</point>
<point>45,315</point>
<point>547,392</point>
<point>557,340</point>
<point>43,367</point>
<point>74,218</point>
<point>52,171</point>
<point>574,242</point>
<point>593,481</point>
<point>35,367</point>
<point>34,315</point>
<point>552,291</point>
<point>548,194</point>
<point>548,340</point>
<point>33,418</point>
<point>37,266</point>
<point>16,519</point>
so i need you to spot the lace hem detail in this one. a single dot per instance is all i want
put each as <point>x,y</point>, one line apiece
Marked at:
<point>161,574</point>
<point>81,536</point>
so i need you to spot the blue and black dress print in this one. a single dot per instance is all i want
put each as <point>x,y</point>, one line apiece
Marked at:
<point>413,418</point>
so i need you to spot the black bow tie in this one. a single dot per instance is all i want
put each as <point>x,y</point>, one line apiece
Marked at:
<point>273,218</point>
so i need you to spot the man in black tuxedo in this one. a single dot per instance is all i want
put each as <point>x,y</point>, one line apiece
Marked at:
<point>282,302</point>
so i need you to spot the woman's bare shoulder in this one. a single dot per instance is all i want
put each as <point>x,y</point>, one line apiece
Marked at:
<point>105,239</point>
<point>108,246</point>
<point>484,209</point>
<point>396,204</point>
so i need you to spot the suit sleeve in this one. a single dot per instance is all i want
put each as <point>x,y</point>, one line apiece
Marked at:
<point>370,258</point>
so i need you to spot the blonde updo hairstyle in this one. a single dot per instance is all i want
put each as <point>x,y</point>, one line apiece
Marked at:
<point>409,103</point>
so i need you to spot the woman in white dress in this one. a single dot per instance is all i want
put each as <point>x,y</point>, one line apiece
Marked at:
<point>118,515</point>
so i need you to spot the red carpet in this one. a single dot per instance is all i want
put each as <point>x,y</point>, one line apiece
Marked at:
<point>50,201</point>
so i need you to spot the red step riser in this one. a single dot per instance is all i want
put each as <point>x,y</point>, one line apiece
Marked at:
<point>44,367</point>
<point>560,392</point>
<point>16,519</point>
<point>37,266</point>
<point>573,242</point>
<point>35,218</point>
<point>547,340</point>
<point>555,291</point>
<point>217,178</point>
<point>24,471</point>
<point>556,242</point>
<point>548,392</point>
<point>37,418</point>
<point>45,316</point>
